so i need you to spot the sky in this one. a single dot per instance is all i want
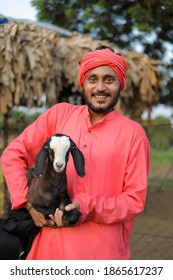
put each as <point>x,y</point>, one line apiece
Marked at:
<point>20,9</point>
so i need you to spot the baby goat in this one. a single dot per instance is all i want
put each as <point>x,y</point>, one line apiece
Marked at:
<point>48,189</point>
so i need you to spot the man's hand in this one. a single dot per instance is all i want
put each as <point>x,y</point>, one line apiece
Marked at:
<point>57,217</point>
<point>38,217</point>
<point>40,220</point>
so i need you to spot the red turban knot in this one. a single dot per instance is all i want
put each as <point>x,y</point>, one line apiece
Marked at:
<point>102,57</point>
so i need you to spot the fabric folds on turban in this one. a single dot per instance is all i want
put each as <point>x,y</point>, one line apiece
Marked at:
<point>102,57</point>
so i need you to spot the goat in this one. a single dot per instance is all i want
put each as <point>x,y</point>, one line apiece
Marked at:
<point>9,245</point>
<point>48,189</point>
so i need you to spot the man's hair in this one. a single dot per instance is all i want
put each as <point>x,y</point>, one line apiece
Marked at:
<point>104,47</point>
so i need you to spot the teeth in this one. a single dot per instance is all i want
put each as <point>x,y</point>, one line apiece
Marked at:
<point>100,96</point>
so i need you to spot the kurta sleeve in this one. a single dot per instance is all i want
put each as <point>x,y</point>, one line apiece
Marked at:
<point>131,201</point>
<point>21,153</point>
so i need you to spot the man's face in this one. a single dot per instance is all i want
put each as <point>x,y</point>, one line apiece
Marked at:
<point>101,89</point>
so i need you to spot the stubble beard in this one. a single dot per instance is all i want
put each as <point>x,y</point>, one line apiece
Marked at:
<point>104,110</point>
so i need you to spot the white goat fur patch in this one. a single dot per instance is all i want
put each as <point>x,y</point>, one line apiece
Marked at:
<point>60,145</point>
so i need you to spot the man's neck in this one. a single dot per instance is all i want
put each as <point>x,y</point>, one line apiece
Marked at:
<point>96,117</point>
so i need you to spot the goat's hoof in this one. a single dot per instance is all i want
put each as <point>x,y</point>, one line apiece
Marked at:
<point>71,218</point>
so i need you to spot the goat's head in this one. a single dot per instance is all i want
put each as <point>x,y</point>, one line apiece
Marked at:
<point>58,147</point>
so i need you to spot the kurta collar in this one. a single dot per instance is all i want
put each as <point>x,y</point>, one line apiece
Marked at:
<point>110,116</point>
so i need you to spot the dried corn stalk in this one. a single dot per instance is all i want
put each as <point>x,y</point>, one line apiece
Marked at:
<point>34,60</point>
<point>27,58</point>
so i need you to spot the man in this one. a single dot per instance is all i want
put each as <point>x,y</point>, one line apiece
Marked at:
<point>116,152</point>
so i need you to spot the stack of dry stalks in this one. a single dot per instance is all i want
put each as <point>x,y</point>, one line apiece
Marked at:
<point>28,65</point>
<point>142,84</point>
<point>35,60</point>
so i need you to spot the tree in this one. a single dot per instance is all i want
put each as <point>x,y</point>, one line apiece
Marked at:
<point>127,24</point>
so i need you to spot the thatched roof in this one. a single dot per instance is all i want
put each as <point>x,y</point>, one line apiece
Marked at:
<point>34,60</point>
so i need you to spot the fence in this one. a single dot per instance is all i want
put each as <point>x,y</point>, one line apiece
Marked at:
<point>152,237</point>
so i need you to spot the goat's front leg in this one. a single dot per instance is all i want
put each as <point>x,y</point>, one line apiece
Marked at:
<point>71,213</point>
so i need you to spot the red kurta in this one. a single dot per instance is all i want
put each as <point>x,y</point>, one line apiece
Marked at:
<point>111,194</point>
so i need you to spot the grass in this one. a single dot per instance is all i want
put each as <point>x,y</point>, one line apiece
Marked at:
<point>161,169</point>
<point>162,157</point>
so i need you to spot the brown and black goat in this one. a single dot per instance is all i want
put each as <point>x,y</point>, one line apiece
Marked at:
<point>48,189</point>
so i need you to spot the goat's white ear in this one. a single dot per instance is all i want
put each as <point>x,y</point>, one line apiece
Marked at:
<point>78,159</point>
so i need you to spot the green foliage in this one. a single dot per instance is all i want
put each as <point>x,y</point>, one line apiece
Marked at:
<point>161,163</point>
<point>161,157</point>
<point>115,19</point>
<point>19,120</point>
<point>160,134</point>
<point>159,141</point>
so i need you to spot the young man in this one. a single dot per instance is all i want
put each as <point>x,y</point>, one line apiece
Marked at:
<point>116,152</point>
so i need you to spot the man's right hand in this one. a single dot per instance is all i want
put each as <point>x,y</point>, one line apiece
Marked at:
<point>38,217</point>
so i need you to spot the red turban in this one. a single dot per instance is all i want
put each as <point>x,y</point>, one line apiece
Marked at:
<point>102,57</point>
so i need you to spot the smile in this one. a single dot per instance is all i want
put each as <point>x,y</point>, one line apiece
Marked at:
<point>100,95</point>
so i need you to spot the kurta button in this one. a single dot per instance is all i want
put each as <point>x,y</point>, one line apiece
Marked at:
<point>89,131</point>
<point>85,145</point>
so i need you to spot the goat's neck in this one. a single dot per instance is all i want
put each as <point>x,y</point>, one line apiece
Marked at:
<point>52,176</point>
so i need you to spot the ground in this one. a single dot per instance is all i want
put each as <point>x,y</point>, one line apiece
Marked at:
<point>152,237</point>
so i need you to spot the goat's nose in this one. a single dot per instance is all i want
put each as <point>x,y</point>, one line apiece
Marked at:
<point>59,165</point>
